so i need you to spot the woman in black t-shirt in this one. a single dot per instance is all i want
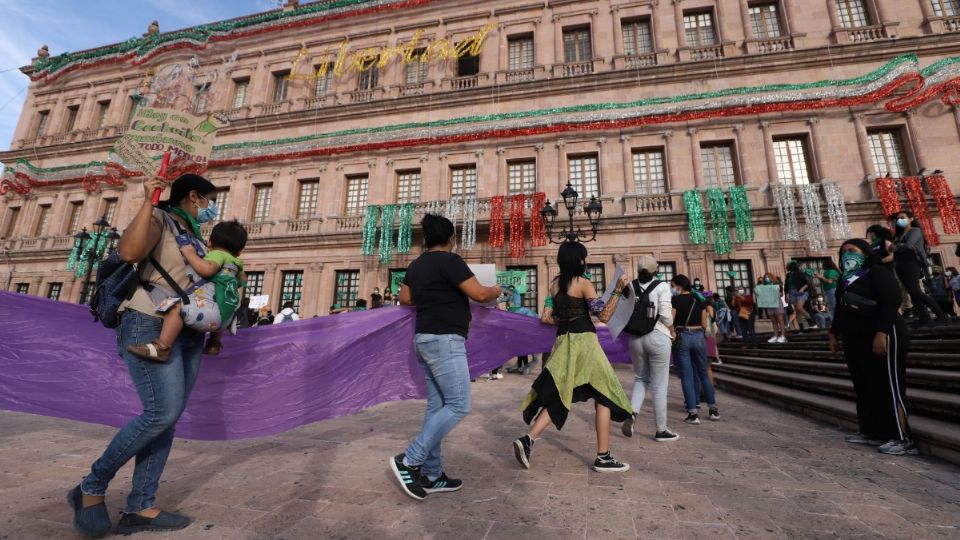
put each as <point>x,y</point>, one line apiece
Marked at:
<point>690,318</point>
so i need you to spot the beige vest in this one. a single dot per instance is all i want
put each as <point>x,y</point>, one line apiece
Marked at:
<point>167,253</point>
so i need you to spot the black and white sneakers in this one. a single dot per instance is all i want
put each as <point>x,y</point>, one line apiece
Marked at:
<point>627,427</point>
<point>692,418</point>
<point>522,448</point>
<point>607,463</point>
<point>714,414</point>
<point>899,447</point>
<point>442,484</point>
<point>409,477</point>
<point>666,435</point>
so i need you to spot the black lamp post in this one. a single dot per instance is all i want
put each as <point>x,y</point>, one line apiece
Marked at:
<point>86,246</point>
<point>571,232</point>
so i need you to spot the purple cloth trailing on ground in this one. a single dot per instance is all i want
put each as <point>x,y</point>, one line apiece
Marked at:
<point>55,361</point>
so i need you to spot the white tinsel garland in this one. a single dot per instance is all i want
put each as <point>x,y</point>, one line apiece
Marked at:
<point>810,198</point>
<point>786,208</point>
<point>468,233</point>
<point>837,209</point>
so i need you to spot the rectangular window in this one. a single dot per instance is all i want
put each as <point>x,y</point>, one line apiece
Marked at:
<point>853,13</point>
<point>584,175</point>
<point>889,157</point>
<point>736,273</point>
<point>86,291</point>
<point>109,209</point>
<point>347,288</point>
<point>240,87</point>
<point>946,8</point>
<point>71,120</point>
<point>135,104</point>
<point>530,299</point>
<point>291,287</point>
<point>522,177</point>
<point>408,186</point>
<point>520,52</point>
<point>13,215</point>
<point>765,20</point>
<point>666,271</point>
<point>222,198</point>
<point>43,219</point>
<point>53,291</point>
<point>76,213</point>
<point>793,160</point>
<point>463,181</point>
<point>309,194</point>
<point>719,168</point>
<point>23,288</point>
<point>103,107</point>
<point>417,69</point>
<point>816,265</point>
<point>262,197</point>
<point>42,123</point>
<point>324,81</point>
<point>598,277</point>
<point>637,37</point>
<point>698,29</point>
<point>280,86</point>
<point>254,285</point>
<point>356,194</point>
<point>468,65</point>
<point>369,78</point>
<point>200,97</point>
<point>648,173</point>
<point>576,45</point>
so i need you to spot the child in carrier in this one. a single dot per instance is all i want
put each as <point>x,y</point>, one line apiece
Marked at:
<point>214,295</point>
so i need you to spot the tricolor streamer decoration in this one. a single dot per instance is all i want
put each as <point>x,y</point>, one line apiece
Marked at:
<point>496,221</point>
<point>887,193</point>
<point>517,224</point>
<point>468,233</point>
<point>538,229</point>
<point>368,242</point>
<point>388,213</point>
<point>787,210</point>
<point>946,203</point>
<point>405,233</point>
<point>698,225</point>
<point>900,76</point>
<point>837,210</point>
<point>810,198</point>
<point>918,205</point>
<point>742,213</point>
<point>718,219</point>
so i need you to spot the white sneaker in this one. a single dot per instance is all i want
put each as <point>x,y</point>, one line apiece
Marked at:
<point>499,375</point>
<point>782,339</point>
<point>773,339</point>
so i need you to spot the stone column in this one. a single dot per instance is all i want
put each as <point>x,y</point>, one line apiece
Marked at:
<point>863,144</point>
<point>834,13</point>
<point>916,136</point>
<point>629,182</point>
<point>772,175</point>
<point>698,181</point>
<point>745,20</point>
<point>501,172</point>
<point>562,172</point>
<point>678,20</point>
<point>271,285</point>
<point>310,296</point>
<point>816,144</point>
<point>738,144</point>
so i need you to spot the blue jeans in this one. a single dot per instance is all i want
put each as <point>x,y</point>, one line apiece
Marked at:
<point>444,362</point>
<point>692,361</point>
<point>830,295</point>
<point>163,389</point>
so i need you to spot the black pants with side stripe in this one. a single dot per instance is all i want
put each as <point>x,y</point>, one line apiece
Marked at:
<point>880,383</point>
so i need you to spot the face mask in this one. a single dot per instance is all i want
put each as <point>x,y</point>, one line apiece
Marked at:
<point>697,282</point>
<point>766,281</point>
<point>851,262</point>
<point>209,213</point>
<point>376,291</point>
<point>674,292</point>
<point>741,292</point>
<point>902,223</point>
<point>948,273</point>
<point>645,276</point>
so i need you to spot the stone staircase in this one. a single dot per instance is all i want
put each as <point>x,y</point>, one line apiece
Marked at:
<point>805,377</point>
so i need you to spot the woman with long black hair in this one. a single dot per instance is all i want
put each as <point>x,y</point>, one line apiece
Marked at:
<point>910,257</point>
<point>875,346</point>
<point>578,368</point>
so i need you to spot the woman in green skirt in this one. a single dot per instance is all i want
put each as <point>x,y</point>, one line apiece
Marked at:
<point>578,368</point>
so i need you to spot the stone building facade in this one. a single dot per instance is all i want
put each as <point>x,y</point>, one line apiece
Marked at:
<point>304,207</point>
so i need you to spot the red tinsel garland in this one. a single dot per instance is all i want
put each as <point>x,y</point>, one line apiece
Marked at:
<point>887,192</point>
<point>517,223</point>
<point>496,221</point>
<point>946,203</point>
<point>538,229</point>
<point>918,205</point>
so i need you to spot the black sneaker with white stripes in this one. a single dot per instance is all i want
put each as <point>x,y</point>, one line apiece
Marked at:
<point>628,424</point>
<point>607,463</point>
<point>442,484</point>
<point>522,448</point>
<point>409,477</point>
<point>666,435</point>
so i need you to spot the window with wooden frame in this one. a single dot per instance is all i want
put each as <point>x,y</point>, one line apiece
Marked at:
<point>666,271</point>
<point>637,36</point>
<point>103,107</point>
<point>520,52</point>
<point>576,45</point>
<point>291,288</point>
<point>946,8</point>
<point>70,123</point>
<point>583,173</point>
<point>254,284</point>
<point>719,164</point>
<point>853,13</point>
<point>109,209</point>
<point>598,277</point>
<point>887,151</point>
<point>530,298</point>
<point>23,288</point>
<point>262,197</point>
<point>347,288</point>
<point>281,85</point>
<point>736,273</point>
<point>648,171</point>
<point>324,81</point>
<point>522,177</point>
<point>793,160</point>
<point>43,219</point>
<point>240,87</point>
<point>698,29</point>
<point>463,181</point>
<point>42,119</point>
<point>356,194</point>
<point>369,77</point>
<point>408,186</point>
<point>73,220</point>
<point>54,290</point>
<point>417,69</point>
<point>308,198</point>
<point>765,20</point>
<point>13,215</point>
<point>222,198</point>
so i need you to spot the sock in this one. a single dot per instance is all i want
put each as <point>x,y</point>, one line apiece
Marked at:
<point>603,455</point>
<point>433,477</point>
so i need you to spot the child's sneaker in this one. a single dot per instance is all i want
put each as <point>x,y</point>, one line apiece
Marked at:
<point>153,351</point>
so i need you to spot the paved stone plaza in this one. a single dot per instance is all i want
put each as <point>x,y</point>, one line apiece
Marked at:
<point>758,473</point>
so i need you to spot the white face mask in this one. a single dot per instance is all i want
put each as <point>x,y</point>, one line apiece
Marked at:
<point>741,292</point>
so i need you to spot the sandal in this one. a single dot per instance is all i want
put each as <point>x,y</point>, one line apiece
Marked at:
<point>153,351</point>
<point>212,348</point>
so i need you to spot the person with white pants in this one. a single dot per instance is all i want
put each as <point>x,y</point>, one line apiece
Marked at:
<point>650,345</point>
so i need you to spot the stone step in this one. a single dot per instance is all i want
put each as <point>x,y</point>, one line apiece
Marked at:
<point>935,437</point>
<point>934,379</point>
<point>928,402</point>
<point>918,345</point>
<point>927,360</point>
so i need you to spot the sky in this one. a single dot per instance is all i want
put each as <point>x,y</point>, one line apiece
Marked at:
<point>73,25</point>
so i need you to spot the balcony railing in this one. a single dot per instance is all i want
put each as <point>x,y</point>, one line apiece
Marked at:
<point>412,89</point>
<point>271,108</point>
<point>637,61</point>
<point>951,24</point>
<point>463,83</point>
<point>866,33</point>
<point>315,102</point>
<point>237,113</point>
<point>519,75</point>
<point>348,223</point>
<point>778,44</point>
<point>303,225</point>
<point>657,203</point>
<point>574,69</point>
<point>708,52</point>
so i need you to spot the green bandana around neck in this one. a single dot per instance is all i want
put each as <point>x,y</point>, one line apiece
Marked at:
<point>192,221</point>
<point>851,263</point>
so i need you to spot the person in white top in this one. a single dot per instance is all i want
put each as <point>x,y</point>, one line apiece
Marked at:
<point>286,314</point>
<point>650,344</point>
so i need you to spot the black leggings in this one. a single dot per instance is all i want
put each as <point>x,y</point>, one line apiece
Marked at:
<point>879,384</point>
<point>909,274</point>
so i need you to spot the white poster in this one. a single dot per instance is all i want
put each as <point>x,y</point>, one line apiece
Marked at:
<point>487,276</point>
<point>257,302</point>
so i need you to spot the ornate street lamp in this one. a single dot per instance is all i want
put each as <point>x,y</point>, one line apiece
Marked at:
<point>571,232</point>
<point>89,249</point>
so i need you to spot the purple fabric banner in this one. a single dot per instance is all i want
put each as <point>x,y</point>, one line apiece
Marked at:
<point>55,361</point>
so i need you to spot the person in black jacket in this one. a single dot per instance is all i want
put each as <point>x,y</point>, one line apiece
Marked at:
<point>910,256</point>
<point>875,346</point>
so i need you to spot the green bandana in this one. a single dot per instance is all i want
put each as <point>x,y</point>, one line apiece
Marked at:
<point>851,262</point>
<point>192,221</point>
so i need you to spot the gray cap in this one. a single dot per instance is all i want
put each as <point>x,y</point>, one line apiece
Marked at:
<point>648,263</point>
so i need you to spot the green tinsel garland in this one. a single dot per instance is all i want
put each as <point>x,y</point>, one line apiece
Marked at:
<point>405,234</point>
<point>742,213</point>
<point>698,226</point>
<point>368,245</point>
<point>389,212</point>
<point>718,217</point>
<point>72,259</point>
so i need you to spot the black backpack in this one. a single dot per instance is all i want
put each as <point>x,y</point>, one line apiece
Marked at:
<point>116,282</point>
<point>644,318</point>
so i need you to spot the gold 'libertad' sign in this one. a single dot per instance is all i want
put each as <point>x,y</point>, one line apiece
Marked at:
<point>348,61</point>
